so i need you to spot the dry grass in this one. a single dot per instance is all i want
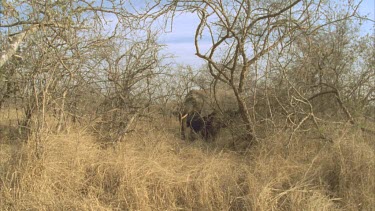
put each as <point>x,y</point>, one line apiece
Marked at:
<point>154,170</point>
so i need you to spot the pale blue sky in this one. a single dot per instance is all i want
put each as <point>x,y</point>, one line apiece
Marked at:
<point>180,42</point>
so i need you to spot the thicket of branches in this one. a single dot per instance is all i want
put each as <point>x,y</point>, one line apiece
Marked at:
<point>293,64</point>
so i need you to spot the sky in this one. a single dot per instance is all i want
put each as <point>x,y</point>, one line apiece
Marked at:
<point>180,41</point>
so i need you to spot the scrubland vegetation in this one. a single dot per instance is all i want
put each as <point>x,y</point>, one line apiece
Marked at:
<point>96,115</point>
<point>152,169</point>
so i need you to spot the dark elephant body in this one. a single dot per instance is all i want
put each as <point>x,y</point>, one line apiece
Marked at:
<point>213,124</point>
<point>205,126</point>
<point>195,122</point>
<point>200,114</point>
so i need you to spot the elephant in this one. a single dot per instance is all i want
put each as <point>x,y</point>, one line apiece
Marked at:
<point>201,115</point>
<point>192,114</point>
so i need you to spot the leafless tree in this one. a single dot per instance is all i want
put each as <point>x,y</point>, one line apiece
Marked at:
<point>128,65</point>
<point>243,33</point>
<point>67,56</point>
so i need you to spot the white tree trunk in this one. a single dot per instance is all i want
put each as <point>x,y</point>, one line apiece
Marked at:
<point>15,41</point>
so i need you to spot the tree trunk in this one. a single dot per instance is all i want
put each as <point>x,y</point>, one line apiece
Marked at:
<point>15,41</point>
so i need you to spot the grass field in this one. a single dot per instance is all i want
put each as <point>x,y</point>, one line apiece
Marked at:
<point>152,169</point>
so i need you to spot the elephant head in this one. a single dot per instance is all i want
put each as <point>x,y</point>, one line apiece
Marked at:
<point>200,115</point>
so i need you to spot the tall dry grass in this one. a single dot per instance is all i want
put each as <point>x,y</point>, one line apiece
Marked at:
<point>152,169</point>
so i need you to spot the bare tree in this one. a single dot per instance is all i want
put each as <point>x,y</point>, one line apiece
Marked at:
<point>128,65</point>
<point>58,50</point>
<point>242,33</point>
